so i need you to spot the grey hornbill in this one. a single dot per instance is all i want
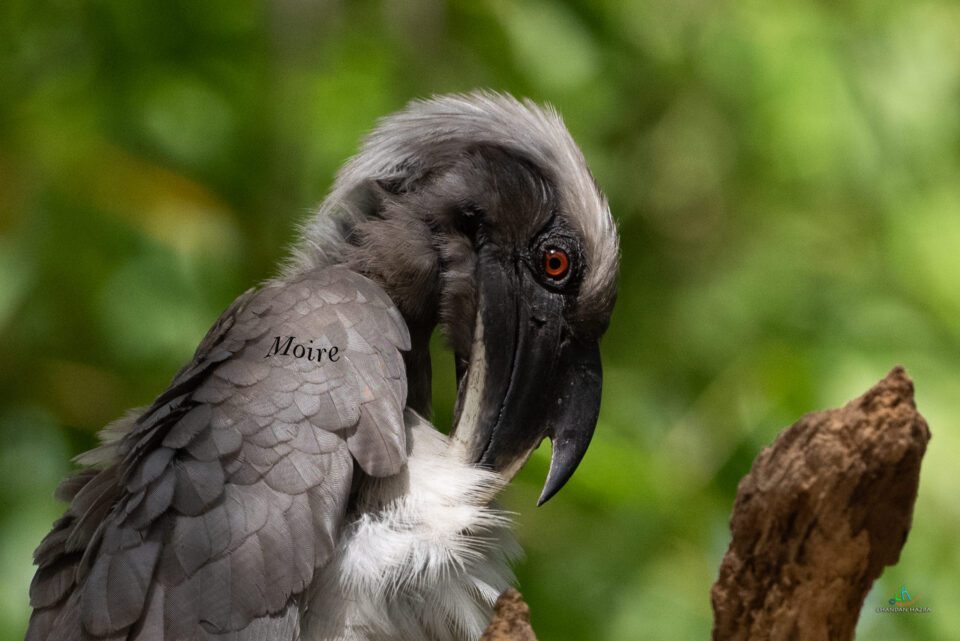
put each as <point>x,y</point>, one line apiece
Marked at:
<point>275,493</point>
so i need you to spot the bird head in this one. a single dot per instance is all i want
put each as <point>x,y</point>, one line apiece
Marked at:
<point>477,213</point>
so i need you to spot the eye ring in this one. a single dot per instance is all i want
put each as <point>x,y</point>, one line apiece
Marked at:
<point>556,262</point>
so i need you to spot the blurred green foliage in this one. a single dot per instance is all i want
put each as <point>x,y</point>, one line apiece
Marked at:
<point>786,176</point>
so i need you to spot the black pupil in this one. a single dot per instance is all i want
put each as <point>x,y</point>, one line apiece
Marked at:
<point>555,263</point>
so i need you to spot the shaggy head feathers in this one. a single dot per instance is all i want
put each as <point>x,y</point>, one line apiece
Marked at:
<point>418,146</point>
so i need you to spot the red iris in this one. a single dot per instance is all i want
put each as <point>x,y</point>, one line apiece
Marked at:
<point>556,263</point>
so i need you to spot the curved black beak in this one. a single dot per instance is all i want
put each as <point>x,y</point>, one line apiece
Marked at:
<point>571,423</point>
<point>529,378</point>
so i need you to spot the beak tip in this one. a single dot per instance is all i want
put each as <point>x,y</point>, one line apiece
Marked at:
<point>543,499</point>
<point>564,459</point>
<point>552,486</point>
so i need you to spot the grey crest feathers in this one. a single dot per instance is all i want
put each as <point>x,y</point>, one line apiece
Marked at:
<point>431,135</point>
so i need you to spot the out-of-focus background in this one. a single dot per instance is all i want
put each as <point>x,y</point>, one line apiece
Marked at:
<point>786,176</point>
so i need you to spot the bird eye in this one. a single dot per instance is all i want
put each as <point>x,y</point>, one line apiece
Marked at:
<point>556,262</point>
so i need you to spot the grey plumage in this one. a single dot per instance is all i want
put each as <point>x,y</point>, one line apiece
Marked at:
<point>231,485</point>
<point>269,497</point>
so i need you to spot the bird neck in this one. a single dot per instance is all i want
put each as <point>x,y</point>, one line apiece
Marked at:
<point>419,370</point>
<point>349,230</point>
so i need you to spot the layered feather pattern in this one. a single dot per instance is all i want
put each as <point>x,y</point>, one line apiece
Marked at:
<point>211,514</point>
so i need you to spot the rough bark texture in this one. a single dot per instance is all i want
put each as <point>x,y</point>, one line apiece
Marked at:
<point>821,513</point>
<point>511,620</point>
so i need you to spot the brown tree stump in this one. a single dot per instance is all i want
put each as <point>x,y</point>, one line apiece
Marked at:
<point>822,511</point>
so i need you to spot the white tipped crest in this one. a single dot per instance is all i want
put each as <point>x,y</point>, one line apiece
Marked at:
<point>431,134</point>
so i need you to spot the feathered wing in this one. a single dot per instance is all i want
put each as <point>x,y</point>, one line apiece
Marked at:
<point>225,497</point>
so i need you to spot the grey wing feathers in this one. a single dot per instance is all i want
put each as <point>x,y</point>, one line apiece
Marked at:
<point>226,495</point>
